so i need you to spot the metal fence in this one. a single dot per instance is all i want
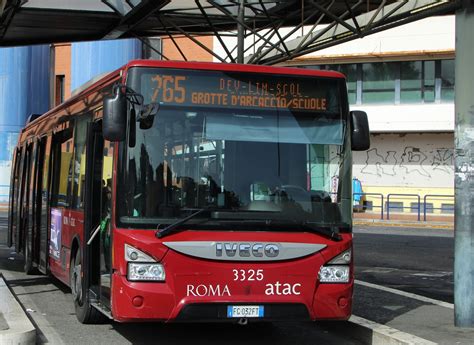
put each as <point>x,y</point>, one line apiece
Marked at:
<point>418,206</point>
<point>364,203</point>
<point>435,197</point>
<point>398,196</point>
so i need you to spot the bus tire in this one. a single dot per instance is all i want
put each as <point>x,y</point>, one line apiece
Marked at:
<point>85,312</point>
<point>28,266</point>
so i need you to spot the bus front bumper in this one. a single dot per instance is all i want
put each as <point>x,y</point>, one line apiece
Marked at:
<point>154,301</point>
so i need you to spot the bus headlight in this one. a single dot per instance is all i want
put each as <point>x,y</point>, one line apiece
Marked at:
<point>145,272</point>
<point>334,274</point>
<point>337,270</point>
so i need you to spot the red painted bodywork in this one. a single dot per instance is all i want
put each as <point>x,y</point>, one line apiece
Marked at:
<point>72,228</point>
<point>164,300</point>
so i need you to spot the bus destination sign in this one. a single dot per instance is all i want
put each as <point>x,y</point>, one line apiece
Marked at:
<point>240,90</point>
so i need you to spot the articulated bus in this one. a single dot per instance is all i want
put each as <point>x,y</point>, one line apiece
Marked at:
<point>179,191</point>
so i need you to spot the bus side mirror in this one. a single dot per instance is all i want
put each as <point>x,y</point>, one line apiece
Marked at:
<point>360,135</point>
<point>114,123</point>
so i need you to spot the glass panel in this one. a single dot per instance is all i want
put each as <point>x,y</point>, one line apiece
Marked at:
<point>429,81</point>
<point>447,80</point>
<point>106,211</point>
<point>378,82</point>
<point>63,173</point>
<point>45,181</point>
<point>283,128</point>
<point>395,206</point>
<point>414,207</point>
<point>447,208</point>
<point>410,82</point>
<point>80,136</point>
<point>176,166</point>
<point>249,158</point>
<point>350,71</point>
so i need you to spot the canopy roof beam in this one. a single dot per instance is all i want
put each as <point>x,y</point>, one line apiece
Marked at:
<point>388,16</point>
<point>141,10</point>
<point>309,25</point>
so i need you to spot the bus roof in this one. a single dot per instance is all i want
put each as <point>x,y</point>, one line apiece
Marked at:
<point>233,68</point>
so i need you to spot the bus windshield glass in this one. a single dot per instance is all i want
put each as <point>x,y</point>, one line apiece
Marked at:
<point>246,145</point>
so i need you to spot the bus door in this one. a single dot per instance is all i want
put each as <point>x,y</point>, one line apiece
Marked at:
<point>31,220</point>
<point>42,197</point>
<point>98,214</point>
<point>22,218</point>
<point>61,180</point>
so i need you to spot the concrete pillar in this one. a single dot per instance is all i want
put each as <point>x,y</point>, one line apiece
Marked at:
<point>464,168</point>
<point>89,59</point>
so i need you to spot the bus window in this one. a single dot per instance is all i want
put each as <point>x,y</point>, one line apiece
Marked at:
<point>107,167</point>
<point>79,165</point>
<point>63,170</point>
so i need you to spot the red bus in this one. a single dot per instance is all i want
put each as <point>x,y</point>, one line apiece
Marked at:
<point>178,191</point>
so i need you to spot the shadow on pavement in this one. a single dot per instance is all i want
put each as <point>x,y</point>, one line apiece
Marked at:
<point>207,333</point>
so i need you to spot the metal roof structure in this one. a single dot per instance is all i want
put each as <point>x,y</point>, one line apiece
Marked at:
<point>313,25</point>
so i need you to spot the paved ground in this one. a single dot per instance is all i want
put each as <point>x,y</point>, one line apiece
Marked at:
<point>392,263</point>
<point>419,261</point>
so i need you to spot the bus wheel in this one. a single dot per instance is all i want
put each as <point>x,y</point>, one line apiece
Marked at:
<point>85,312</point>
<point>28,267</point>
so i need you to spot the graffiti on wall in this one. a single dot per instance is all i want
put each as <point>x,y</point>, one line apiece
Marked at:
<point>413,161</point>
<point>409,161</point>
<point>443,160</point>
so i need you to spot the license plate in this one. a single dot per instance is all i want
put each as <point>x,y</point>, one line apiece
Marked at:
<point>245,311</point>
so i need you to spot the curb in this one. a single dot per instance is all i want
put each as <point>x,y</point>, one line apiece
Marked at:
<point>20,329</point>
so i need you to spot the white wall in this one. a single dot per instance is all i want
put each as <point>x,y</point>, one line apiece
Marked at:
<point>409,118</point>
<point>407,160</point>
<point>430,34</point>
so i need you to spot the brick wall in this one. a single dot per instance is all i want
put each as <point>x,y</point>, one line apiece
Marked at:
<point>190,49</point>
<point>62,67</point>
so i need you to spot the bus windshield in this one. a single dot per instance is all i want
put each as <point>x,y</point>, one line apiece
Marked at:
<point>245,160</point>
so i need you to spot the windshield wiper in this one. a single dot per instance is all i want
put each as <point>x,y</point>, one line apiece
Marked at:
<point>329,231</point>
<point>167,230</point>
<point>272,221</point>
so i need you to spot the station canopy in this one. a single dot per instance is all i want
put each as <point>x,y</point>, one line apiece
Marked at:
<point>272,30</point>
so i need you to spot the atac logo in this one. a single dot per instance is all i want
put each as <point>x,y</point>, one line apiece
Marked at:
<point>247,250</point>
